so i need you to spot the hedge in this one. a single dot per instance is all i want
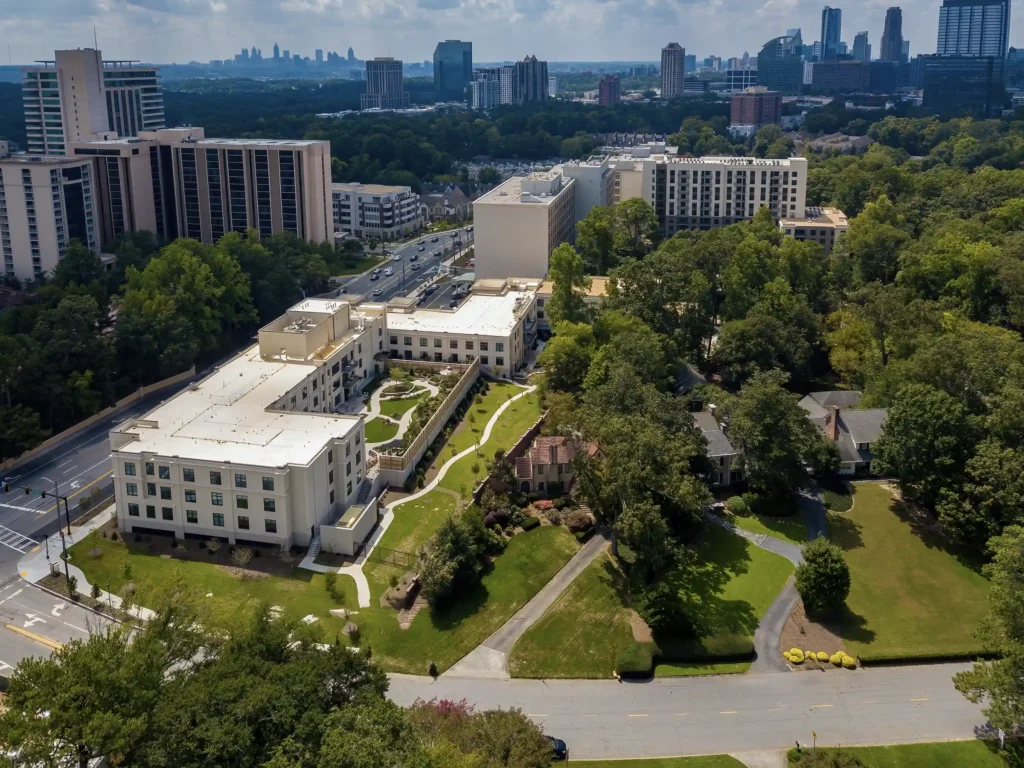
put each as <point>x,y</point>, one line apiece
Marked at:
<point>924,658</point>
<point>635,660</point>
<point>530,523</point>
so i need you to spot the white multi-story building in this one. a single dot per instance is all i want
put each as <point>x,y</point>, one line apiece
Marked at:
<point>44,203</point>
<point>496,323</point>
<point>78,97</point>
<point>485,90</point>
<point>376,210</point>
<point>595,183</point>
<point>255,452</point>
<point>519,223</point>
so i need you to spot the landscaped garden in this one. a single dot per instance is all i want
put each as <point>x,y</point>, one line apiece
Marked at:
<point>913,595</point>
<point>976,754</point>
<point>380,430</point>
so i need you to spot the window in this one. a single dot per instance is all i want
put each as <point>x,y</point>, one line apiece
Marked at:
<point>437,343</point>
<point>483,346</point>
<point>357,438</point>
<point>190,497</point>
<point>484,360</point>
<point>394,340</point>
<point>270,526</point>
<point>407,341</point>
<point>453,344</point>
<point>469,345</point>
<point>133,510</point>
<point>330,457</point>
<point>129,468</point>
<point>242,502</point>
<point>218,520</point>
<point>191,516</point>
<point>332,497</point>
<point>293,401</point>
<point>423,341</point>
<point>240,481</point>
<point>165,473</point>
<point>269,505</point>
<point>348,449</point>
<point>305,393</point>
<point>149,468</point>
<point>268,483</point>
<point>165,492</point>
<point>499,361</point>
<point>348,488</point>
<point>217,499</point>
<point>348,468</point>
<point>151,512</point>
<point>131,489</point>
<point>330,477</point>
<point>189,475</point>
<point>314,385</point>
<point>215,478</point>
<point>499,346</point>
<point>151,489</point>
<point>316,402</point>
<point>243,523</point>
<point>168,513</point>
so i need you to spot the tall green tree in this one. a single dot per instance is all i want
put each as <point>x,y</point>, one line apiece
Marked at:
<point>568,295</point>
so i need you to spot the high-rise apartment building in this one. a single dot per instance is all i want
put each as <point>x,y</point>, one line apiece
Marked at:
<point>673,71</point>
<point>384,85</point>
<point>77,96</point>
<point>507,83</point>
<point>552,86</point>
<point>453,70</point>
<point>892,35</point>
<point>531,81</point>
<point>905,52</point>
<point>861,47</point>
<point>831,32</point>
<point>485,90</point>
<point>609,90</point>
<point>780,66</point>
<point>756,107</point>
<point>955,84</point>
<point>974,28</point>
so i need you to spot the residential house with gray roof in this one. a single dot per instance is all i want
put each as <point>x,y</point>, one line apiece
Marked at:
<point>854,430</point>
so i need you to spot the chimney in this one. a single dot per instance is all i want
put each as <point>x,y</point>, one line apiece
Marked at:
<point>833,427</point>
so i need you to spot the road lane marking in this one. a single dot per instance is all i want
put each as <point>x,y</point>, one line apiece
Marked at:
<point>67,624</point>
<point>14,594</point>
<point>77,491</point>
<point>639,715</point>
<point>919,699</point>
<point>776,709</point>
<point>535,715</point>
<point>820,706</point>
<point>729,712</point>
<point>682,714</point>
<point>588,715</point>
<point>53,645</point>
<point>869,702</point>
<point>65,463</point>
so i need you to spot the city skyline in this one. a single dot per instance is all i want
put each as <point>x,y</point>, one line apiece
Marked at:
<point>161,32</point>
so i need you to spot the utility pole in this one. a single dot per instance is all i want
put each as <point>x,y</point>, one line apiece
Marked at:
<point>67,513</point>
<point>67,574</point>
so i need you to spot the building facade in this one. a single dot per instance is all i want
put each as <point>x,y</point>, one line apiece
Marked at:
<point>756,107</point>
<point>78,96</point>
<point>385,85</point>
<point>831,32</point>
<point>840,76</point>
<point>531,81</point>
<point>518,224</point>
<point>818,225</point>
<point>892,36</point>
<point>673,71</point>
<point>954,85</point>
<point>973,28</point>
<point>609,90</point>
<point>861,47</point>
<point>740,79</point>
<point>780,66</point>
<point>485,90</point>
<point>453,70</point>
<point>376,210</point>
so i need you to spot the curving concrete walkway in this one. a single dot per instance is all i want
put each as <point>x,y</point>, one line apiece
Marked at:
<point>373,409</point>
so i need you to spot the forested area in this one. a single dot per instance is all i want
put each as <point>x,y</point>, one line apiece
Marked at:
<point>95,335</point>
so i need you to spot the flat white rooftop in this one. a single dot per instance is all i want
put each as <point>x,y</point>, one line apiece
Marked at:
<point>512,192</point>
<point>242,143</point>
<point>224,418</point>
<point>479,315</point>
<point>818,217</point>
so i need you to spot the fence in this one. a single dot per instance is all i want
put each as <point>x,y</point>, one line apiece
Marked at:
<point>394,557</point>
<point>124,402</point>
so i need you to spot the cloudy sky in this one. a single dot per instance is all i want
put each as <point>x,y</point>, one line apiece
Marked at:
<point>164,31</point>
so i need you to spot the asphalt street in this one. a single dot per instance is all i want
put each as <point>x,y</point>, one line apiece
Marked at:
<point>730,713</point>
<point>405,279</point>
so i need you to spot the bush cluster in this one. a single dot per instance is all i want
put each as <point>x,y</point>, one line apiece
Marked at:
<point>635,660</point>
<point>530,523</point>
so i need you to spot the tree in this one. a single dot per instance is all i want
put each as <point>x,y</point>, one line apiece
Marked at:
<point>874,240</point>
<point>568,296</point>
<point>637,231</point>
<point>488,175</point>
<point>645,531</point>
<point>78,265</point>
<point>927,440</point>
<point>774,435</point>
<point>823,578</point>
<point>595,240</point>
<point>999,684</point>
<point>566,358</point>
<point>20,431</point>
<point>448,560</point>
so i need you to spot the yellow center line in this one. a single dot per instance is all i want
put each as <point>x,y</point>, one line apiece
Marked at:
<point>53,645</point>
<point>730,712</point>
<point>919,699</point>
<point>869,702</point>
<point>819,706</point>
<point>682,714</point>
<point>775,709</point>
<point>588,715</point>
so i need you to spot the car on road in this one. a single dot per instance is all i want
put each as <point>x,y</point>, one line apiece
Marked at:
<point>397,257</point>
<point>422,248</point>
<point>414,257</point>
<point>469,229</point>
<point>375,276</point>
<point>430,290</point>
<point>433,239</point>
<point>414,267</point>
<point>389,272</point>
<point>559,750</point>
<point>378,291</point>
<point>472,262</point>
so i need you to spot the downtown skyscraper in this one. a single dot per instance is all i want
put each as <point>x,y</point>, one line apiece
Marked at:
<point>831,32</point>
<point>974,28</point>
<point>892,35</point>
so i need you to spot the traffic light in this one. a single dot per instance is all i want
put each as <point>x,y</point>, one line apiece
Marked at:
<point>42,494</point>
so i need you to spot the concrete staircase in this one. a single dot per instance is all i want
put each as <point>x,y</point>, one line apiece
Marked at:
<point>314,548</point>
<point>364,492</point>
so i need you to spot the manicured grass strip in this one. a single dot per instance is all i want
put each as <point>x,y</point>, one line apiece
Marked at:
<point>395,408</point>
<point>912,593</point>
<point>378,430</point>
<point>580,635</point>
<point>976,754</point>
<point>692,668</point>
<point>792,529</point>
<point>702,761</point>
<point>838,497</point>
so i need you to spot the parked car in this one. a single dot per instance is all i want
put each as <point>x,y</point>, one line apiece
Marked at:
<point>378,291</point>
<point>389,272</point>
<point>559,750</point>
<point>397,257</point>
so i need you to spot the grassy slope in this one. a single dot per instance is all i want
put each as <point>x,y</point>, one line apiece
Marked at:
<point>910,595</point>
<point>378,430</point>
<point>975,754</point>
<point>792,529</point>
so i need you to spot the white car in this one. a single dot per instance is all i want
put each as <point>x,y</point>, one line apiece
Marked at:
<point>397,257</point>
<point>389,272</point>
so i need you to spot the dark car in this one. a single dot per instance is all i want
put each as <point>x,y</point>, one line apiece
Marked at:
<point>414,257</point>
<point>430,291</point>
<point>559,751</point>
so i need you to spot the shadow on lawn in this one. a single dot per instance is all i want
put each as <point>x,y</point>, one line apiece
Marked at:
<point>851,626</point>
<point>844,531</point>
<point>922,525</point>
<point>464,605</point>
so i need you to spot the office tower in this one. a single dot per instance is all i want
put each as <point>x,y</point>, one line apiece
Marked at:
<point>861,47</point>
<point>277,53</point>
<point>384,85</point>
<point>957,84</point>
<point>740,79</point>
<point>485,90</point>
<point>552,86</point>
<point>780,66</point>
<point>507,88</point>
<point>798,40</point>
<point>892,35</point>
<point>973,28</point>
<point>840,76</point>
<point>691,62</point>
<point>79,96</point>
<point>1015,68</point>
<point>884,76</point>
<point>609,90</point>
<point>351,56</point>
<point>905,52</point>
<point>531,83</point>
<point>831,32</point>
<point>319,54</point>
<point>44,203</point>
<point>673,72</point>
<point>286,55</point>
<point>756,107</point>
<point>453,70</point>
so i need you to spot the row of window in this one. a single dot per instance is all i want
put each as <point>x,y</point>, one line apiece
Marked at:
<point>499,346</point>
<point>192,516</point>
<point>216,498</point>
<point>189,476</point>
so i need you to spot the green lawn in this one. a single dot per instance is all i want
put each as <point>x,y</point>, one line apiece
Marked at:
<point>692,668</point>
<point>703,761</point>
<point>792,529</point>
<point>357,266</point>
<point>396,408</point>
<point>378,430</point>
<point>838,496</point>
<point>975,754</point>
<point>580,635</point>
<point>910,595</point>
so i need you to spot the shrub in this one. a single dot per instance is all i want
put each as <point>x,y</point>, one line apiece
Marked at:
<point>555,515</point>
<point>837,658</point>
<point>579,521</point>
<point>95,591</point>
<point>530,523</point>
<point>554,490</point>
<point>849,662</point>
<point>73,587</point>
<point>796,656</point>
<point>822,656</point>
<point>241,556</point>
<point>393,581</point>
<point>450,559</point>
<point>738,506</point>
<point>823,579</point>
<point>532,496</point>
<point>114,536</point>
<point>785,655</point>
<point>823,758</point>
<point>663,610</point>
<point>560,503</point>
<point>213,544</point>
<point>331,583</point>
<point>634,660</point>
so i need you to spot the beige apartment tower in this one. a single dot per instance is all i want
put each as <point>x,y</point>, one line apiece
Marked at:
<point>673,71</point>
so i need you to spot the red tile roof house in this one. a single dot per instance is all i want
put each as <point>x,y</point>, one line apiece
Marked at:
<point>549,460</point>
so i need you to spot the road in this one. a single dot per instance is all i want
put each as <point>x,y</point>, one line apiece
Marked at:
<point>402,283</point>
<point>732,713</point>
